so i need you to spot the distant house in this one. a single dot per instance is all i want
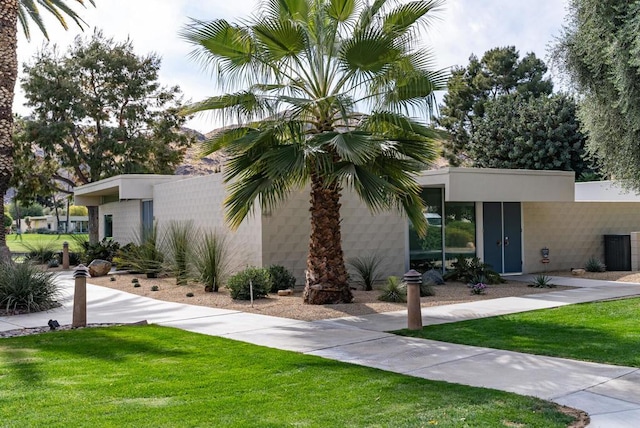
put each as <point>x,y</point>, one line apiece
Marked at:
<point>505,217</point>
<point>49,223</point>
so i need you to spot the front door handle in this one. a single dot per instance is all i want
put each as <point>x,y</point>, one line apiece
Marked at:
<point>506,241</point>
<point>498,243</point>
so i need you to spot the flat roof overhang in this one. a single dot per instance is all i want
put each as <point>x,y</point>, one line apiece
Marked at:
<point>604,191</point>
<point>130,186</point>
<point>501,185</point>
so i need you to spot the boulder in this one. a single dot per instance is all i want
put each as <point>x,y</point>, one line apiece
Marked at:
<point>287,292</point>
<point>432,277</point>
<point>577,272</point>
<point>99,267</point>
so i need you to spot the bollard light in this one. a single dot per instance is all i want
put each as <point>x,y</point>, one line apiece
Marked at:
<point>413,279</point>
<point>81,272</point>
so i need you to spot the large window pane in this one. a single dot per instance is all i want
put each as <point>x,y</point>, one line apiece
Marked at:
<point>460,230</point>
<point>426,253</point>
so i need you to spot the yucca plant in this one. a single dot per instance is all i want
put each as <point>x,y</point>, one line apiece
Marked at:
<point>179,249</point>
<point>366,269</point>
<point>145,256</point>
<point>541,281</point>
<point>25,287</point>
<point>40,253</point>
<point>211,260</point>
<point>394,291</point>
<point>594,265</point>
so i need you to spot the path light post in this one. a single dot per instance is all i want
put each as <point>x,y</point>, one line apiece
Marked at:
<point>65,255</point>
<point>413,279</point>
<point>81,273</point>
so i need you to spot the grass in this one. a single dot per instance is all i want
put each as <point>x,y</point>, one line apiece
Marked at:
<point>602,332</point>
<point>161,377</point>
<point>21,243</point>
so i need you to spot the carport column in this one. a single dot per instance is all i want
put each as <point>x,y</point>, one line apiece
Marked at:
<point>413,279</point>
<point>80,297</point>
<point>65,255</point>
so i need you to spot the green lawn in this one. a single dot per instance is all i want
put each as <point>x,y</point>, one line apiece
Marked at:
<point>603,332</point>
<point>18,243</point>
<point>162,377</point>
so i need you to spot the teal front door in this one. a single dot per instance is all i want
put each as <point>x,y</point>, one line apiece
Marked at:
<point>502,240</point>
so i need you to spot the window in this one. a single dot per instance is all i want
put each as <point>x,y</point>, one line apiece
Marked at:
<point>451,232</point>
<point>108,226</point>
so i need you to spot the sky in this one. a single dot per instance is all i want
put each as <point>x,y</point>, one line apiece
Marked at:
<point>463,27</point>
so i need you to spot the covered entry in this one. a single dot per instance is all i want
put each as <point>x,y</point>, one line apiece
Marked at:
<point>496,197</point>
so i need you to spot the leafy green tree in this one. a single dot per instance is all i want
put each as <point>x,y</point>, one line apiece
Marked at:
<point>301,70</point>
<point>600,52</point>
<point>529,133</point>
<point>8,220</point>
<point>98,111</point>
<point>12,12</point>
<point>78,210</point>
<point>499,72</point>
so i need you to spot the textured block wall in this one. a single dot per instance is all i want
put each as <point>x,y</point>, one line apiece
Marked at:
<point>201,199</point>
<point>126,220</point>
<point>573,231</point>
<point>286,234</point>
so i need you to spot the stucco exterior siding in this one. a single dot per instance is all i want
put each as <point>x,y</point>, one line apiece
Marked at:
<point>126,220</point>
<point>573,231</point>
<point>286,234</point>
<point>201,200</point>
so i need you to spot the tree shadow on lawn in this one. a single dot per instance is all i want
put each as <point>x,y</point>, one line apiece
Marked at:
<point>25,355</point>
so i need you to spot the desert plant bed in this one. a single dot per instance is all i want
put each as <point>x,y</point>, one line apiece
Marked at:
<point>365,302</point>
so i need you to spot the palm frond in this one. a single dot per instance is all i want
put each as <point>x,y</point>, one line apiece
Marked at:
<point>28,10</point>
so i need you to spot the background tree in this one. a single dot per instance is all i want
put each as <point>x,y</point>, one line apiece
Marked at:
<point>499,72</point>
<point>600,52</point>
<point>529,133</point>
<point>98,111</point>
<point>12,12</point>
<point>301,68</point>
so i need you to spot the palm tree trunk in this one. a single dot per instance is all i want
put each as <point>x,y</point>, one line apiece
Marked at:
<point>8,73</point>
<point>326,278</point>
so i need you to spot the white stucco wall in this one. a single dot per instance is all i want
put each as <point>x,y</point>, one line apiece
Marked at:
<point>126,220</point>
<point>201,200</point>
<point>286,235</point>
<point>573,231</point>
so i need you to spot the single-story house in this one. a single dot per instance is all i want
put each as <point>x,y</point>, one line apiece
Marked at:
<point>505,217</point>
<point>77,224</point>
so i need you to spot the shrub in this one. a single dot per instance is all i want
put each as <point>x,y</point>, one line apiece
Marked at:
<point>281,278</point>
<point>40,253</point>
<point>155,288</point>
<point>211,260</point>
<point>477,288</point>
<point>25,287</point>
<point>471,270</point>
<point>541,281</point>
<point>239,287</point>
<point>179,242</point>
<point>53,263</point>
<point>366,268</point>
<point>394,291</point>
<point>103,250</point>
<point>594,265</point>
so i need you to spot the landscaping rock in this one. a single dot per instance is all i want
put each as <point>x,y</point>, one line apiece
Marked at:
<point>577,272</point>
<point>99,267</point>
<point>287,292</point>
<point>432,277</point>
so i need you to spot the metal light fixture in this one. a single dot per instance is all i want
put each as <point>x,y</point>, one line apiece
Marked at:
<point>545,253</point>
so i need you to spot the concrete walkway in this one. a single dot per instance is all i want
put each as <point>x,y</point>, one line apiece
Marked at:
<point>610,394</point>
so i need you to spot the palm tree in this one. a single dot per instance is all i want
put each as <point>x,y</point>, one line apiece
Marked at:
<point>12,12</point>
<point>301,70</point>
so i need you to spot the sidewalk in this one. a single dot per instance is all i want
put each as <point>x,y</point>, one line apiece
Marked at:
<point>610,394</point>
